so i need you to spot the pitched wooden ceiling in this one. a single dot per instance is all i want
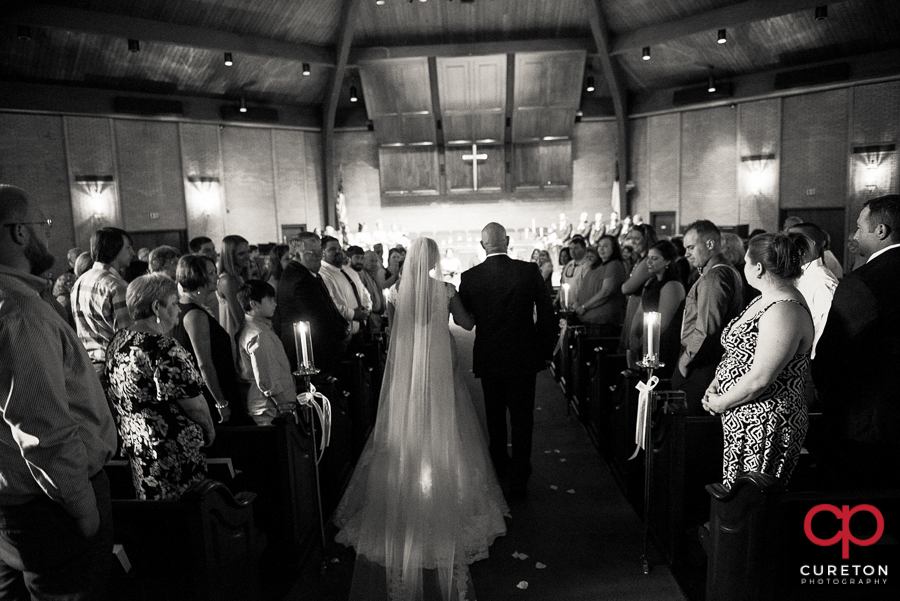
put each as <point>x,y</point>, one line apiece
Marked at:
<point>84,42</point>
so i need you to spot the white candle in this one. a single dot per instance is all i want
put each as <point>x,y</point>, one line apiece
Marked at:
<point>533,224</point>
<point>542,231</point>
<point>651,336</point>
<point>302,342</point>
<point>565,297</point>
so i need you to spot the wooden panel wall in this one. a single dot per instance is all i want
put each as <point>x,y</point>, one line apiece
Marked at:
<point>33,157</point>
<point>89,149</point>
<point>204,203</point>
<point>708,166</point>
<point>593,166</point>
<point>409,170</point>
<point>249,184</point>
<point>151,186</point>
<point>758,135</point>
<point>639,172</point>
<point>664,163</point>
<point>814,130</point>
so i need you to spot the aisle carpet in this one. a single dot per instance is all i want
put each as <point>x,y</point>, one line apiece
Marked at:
<point>574,538</point>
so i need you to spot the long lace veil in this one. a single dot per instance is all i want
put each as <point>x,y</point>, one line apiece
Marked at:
<point>405,527</point>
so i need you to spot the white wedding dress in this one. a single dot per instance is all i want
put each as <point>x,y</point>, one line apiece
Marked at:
<point>424,501</point>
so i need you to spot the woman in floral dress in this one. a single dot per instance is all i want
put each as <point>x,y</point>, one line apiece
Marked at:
<point>759,382</point>
<point>161,415</point>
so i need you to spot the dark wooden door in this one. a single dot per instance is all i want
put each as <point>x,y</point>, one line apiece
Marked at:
<point>152,239</point>
<point>290,230</point>
<point>664,224</point>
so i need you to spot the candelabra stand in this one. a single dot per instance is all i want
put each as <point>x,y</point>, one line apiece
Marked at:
<point>649,364</point>
<point>306,373</point>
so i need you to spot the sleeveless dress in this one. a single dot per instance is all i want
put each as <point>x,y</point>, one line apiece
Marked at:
<point>764,435</point>
<point>423,502</point>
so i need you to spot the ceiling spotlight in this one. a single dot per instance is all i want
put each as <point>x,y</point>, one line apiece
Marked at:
<point>353,96</point>
<point>712,83</point>
<point>243,107</point>
<point>821,13</point>
<point>23,32</point>
<point>590,83</point>
<point>228,60</point>
<point>379,2</point>
<point>722,39</point>
<point>646,53</point>
<point>134,45</point>
<point>306,68</point>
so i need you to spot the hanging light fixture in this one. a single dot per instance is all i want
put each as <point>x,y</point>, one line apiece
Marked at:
<point>821,12</point>
<point>590,83</point>
<point>228,60</point>
<point>353,96</point>
<point>134,45</point>
<point>722,37</point>
<point>306,68</point>
<point>379,2</point>
<point>646,53</point>
<point>712,83</point>
<point>243,107</point>
<point>23,32</point>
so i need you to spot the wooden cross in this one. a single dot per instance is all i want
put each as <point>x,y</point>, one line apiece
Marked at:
<point>474,157</point>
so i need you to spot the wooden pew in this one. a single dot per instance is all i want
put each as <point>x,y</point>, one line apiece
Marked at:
<point>202,547</point>
<point>362,404</point>
<point>687,456</point>
<point>624,417</point>
<point>752,538</point>
<point>604,365</point>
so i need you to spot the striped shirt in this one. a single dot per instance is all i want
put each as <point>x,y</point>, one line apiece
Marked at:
<point>98,303</point>
<point>56,429</point>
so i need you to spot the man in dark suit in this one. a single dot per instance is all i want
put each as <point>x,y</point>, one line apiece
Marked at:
<point>857,359</point>
<point>302,296</point>
<point>510,348</point>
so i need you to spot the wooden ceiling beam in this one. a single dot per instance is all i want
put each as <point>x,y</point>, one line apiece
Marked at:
<point>713,20</point>
<point>107,24</point>
<point>617,90</point>
<point>360,55</point>
<point>329,110</point>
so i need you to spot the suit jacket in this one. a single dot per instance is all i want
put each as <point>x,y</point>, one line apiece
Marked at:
<point>302,296</point>
<point>501,294</point>
<point>857,364</point>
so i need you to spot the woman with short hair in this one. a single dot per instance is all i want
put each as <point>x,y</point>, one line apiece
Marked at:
<point>759,382</point>
<point>164,259</point>
<point>155,388</point>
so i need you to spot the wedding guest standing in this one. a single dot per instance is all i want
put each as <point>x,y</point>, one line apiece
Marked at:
<point>98,296</point>
<point>664,294</point>
<point>203,338</point>
<point>56,431</point>
<point>641,238</point>
<point>601,302</point>
<point>201,245</point>
<point>857,358</point>
<point>156,391</point>
<point>164,259</point>
<point>233,270</point>
<point>758,385</point>
<point>816,282</point>
<point>275,263</point>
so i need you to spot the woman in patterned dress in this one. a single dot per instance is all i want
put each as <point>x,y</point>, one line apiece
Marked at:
<point>759,383</point>
<point>155,387</point>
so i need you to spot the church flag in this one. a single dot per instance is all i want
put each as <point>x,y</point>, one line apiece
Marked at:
<point>616,204</point>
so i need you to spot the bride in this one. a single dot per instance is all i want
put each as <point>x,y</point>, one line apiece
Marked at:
<point>424,501</point>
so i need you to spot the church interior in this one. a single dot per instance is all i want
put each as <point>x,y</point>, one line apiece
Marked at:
<point>174,119</point>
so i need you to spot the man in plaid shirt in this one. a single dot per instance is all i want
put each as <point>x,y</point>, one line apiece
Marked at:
<point>98,296</point>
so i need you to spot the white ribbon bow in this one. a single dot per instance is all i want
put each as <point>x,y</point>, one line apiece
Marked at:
<point>323,412</point>
<point>563,325</point>
<point>643,406</point>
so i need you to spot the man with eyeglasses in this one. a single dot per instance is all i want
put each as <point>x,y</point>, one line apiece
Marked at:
<point>303,296</point>
<point>56,431</point>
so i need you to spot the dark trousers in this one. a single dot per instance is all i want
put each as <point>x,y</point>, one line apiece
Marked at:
<point>694,386</point>
<point>513,393</point>
<point>44,556</point>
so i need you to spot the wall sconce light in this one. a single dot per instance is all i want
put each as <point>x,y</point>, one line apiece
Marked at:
<point>590,83</point>
<point>94,186</point>
<point>353,96</point>
<point>134,45</point>
<point>207,187</point>
<point>757,168</point>
<point>228,59</point>
<point>873,166</point>
<point>722,37</point>
<point>821,13</point>
<point>645,55</point>
<point>305,68</point>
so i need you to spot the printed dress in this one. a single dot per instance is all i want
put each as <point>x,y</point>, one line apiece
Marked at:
<point>764,435</point>
<point>148,374</point>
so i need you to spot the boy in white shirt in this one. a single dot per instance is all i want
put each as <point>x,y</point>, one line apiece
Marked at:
<point>264,372</point>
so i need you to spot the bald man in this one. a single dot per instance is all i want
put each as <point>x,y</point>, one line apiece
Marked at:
<point>56,431</point>
<point>503,295</point>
